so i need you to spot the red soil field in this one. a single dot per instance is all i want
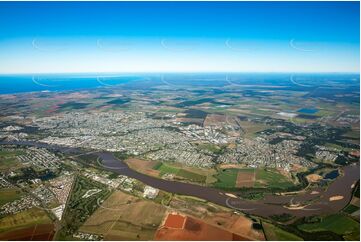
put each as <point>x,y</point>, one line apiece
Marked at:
<point>35,233</point>
<point>195,229</point>
<point>245,179</point>
<point>175,221</point>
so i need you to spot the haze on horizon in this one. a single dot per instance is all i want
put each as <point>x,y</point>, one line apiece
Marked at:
<point>73,37</point>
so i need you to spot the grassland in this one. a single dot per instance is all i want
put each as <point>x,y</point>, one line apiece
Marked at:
<point>181,173</point>
<point>125,217</point>
<point>350,209</point>
<point>270,178</point>
<point>167,169</point>
<point>24,219</point>
<point>8,160</point>
<point>79,208</point>
<point>9,195</point>
<point>274,233</point>
<point>337,223</point>
<point>226,178</point>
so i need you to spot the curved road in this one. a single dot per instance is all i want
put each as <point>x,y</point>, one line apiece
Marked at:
<point>318,199</point>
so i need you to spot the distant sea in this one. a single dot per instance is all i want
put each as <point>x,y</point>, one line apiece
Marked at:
<point>53,83</point>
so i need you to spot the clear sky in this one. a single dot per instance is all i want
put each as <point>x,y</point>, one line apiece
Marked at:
<point>42,37</point>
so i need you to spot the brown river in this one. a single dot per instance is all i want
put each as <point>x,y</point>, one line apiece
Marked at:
<point>320,201</point>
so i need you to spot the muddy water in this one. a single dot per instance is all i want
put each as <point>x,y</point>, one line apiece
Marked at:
<point>319,199</point>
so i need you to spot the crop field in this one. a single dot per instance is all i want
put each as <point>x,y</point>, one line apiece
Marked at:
<point>180,172</point>
<point>272,179</point>
<point>144,166</point>
<point>246,178</point>
<point>9,195</point>
<point>36,232</point>
<point>337,223</point>
<point>164,169</point>
<point>125,217</point>
<point>235,223</point>
<point>81,205</point>
<point>24,219</point>
<point>249,177</point>
<point>274,233</point>
<point>191,176</point>
<point>226,178</point>
<point>8,159</point>
<point>193,229</point>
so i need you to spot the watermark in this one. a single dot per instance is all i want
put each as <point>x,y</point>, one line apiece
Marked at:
<point>235,204</point>
<point>46,48</point>
<point>37,81</point>
<point>114,46</point>
<point>177,46</point>
<point>109,167</point>
<point>233,46</point>
<point>293,45</point>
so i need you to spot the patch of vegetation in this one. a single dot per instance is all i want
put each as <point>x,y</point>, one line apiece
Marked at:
<point>350,209</point>
<point>270,178</point>
<point>250,194</point>
<point>121,155</point>
<point>188,175</point>
<point>73,105</point>
<point>192,176</point>
<point>24,219</point>
<point>275,233</point>
<point>226,178</point>
<point>337,223</point>
<point>157,165</point>
<point>118,101</point>
<point>28,173</point>
<point>195,113</point>
<point>166,169</point>
<point>8,158</point>
<point>81,204</point>
<point>212,148</point>
<point>9,195</point>
<point>284,217</point>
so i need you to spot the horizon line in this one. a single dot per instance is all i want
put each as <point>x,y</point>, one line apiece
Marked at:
<point>180,72</point>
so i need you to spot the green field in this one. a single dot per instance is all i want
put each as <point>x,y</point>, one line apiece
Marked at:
<point>271,178</point>
<point>9,195</point>
<point>350,209</point>
<point>191,176</point>
<point>273,233</point>
<point>167,169</point>
<point>226,178</point>
<point>24,219</point>
<point>79,208</point>
<point>337,223</point>
<point>188,175</point>
<point>8,159</point>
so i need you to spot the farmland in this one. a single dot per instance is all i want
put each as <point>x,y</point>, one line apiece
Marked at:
<point>273,233</point>
<point>8,160</point>
<point>125,217</point>
<point>23,220</point>
<point>193,229</point>
<point>9,194</point>
<point>159,169</point>
<point>270,178</point>
<point>337,223</point>
<point>36,232</point>
<point>249,177</point>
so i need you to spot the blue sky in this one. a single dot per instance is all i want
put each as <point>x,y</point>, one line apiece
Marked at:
<point>42,37</point>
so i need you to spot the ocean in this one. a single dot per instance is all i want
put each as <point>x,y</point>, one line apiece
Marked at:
<point>53,83</point>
